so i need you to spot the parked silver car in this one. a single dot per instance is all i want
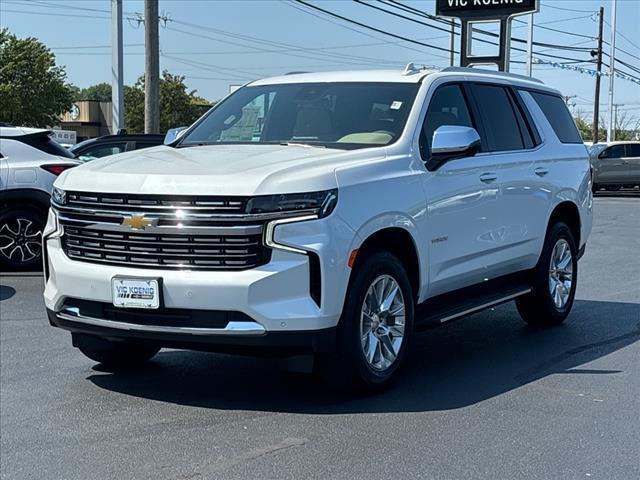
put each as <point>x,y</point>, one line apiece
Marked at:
<point>615,165</point>
<point>30,161</point>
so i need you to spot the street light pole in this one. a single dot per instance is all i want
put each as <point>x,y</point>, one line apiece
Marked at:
<point>151,68</point>
<point>612,61</point>
<point>117,86</point>
<point>530,47</point>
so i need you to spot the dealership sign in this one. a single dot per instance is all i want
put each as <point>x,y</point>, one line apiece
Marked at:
<point>485,9</point>
<point>479,11</point>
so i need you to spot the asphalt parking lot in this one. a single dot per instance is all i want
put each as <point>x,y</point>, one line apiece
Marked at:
<point>484,397</point>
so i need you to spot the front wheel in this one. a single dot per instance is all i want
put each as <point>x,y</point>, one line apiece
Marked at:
<point>114,354</point>
<point>20,237</point>
<point>375,326</point>
<point>554,280</point>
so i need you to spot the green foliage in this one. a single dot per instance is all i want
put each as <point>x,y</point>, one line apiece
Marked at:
<point>178,107</point>
<point>101,92</point>
<point>33,89</point>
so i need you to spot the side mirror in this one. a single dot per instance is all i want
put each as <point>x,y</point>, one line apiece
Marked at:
<point>450,142</point>
<point>173,134</point>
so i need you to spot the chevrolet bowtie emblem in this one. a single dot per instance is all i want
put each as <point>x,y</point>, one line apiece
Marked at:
<point>137,222</point>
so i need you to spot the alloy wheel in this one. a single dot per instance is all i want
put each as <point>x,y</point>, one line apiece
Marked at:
<point>382,323</point>
<point>20,240</point>
<point>561,273</point>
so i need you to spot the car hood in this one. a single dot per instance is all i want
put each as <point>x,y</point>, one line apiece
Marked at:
<point>215,170</point>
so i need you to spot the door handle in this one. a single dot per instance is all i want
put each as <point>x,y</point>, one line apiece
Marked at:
<point>541,172</point>
<point>488,177</point>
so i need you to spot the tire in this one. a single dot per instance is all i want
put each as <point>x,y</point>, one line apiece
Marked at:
<point>114,354</point>
<point>554,280</point>
<point>21,237</point>
<point>348,368</point>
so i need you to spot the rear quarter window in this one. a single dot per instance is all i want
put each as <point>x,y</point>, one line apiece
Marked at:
<point>559,117</point>
<point>633,150</point>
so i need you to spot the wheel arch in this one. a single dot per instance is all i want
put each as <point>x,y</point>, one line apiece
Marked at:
<point>25,197</point>
<point>399,242</point>
<point>569,213</point>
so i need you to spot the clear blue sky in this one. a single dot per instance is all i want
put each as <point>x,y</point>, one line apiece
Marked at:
<point>215,43</point>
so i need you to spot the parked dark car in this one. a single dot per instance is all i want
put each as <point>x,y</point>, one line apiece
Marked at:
<point>111,144</point>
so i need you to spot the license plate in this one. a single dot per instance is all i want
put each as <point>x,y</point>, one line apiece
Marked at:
<point>135,292</point>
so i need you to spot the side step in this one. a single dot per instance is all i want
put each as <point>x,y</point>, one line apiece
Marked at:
<point>458,304</point>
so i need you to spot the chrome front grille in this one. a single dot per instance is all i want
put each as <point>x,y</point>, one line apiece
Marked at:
<point>201,204</point>
<point>200,233</point>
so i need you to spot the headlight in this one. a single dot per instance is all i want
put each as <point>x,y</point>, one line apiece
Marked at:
<point>59,196</point>
<point>318,203</point>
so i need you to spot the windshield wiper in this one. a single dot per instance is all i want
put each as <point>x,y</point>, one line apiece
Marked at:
<point>300,144</point>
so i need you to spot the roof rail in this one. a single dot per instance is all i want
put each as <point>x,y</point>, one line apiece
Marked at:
<point>296,72</point>
<point>492,72</point>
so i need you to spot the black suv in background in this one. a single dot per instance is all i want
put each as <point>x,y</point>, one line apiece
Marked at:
<point>111,144</point>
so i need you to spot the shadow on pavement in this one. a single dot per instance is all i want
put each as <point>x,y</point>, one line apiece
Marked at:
<point>6,292</point>
<point>450,367</point>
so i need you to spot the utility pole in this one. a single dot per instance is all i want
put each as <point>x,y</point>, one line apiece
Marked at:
<point>117,94</point>
<point>530,47</point>
<point>612,61</point>
<point>596,103</point>
<point>151,68</point>
<point>452,42</point>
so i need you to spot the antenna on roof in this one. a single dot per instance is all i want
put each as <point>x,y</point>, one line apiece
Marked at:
<point>412,68</point>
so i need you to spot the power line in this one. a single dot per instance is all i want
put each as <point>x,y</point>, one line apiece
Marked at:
<point>400,37</point>
<point>567,9</point>
<point>50,14</point>
<point>360,32</point>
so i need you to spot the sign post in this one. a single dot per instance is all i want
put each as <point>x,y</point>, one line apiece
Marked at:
<point>476,11</point>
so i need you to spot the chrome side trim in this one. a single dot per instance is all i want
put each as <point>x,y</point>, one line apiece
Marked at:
<point>485,305</point>
<point>270,231</point>
<point>232,328</point>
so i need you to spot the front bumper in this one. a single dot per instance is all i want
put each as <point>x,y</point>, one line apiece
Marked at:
<point>273,298</point>
<point>237,339</point>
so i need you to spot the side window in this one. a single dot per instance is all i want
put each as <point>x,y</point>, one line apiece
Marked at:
<point>616,151</point>
<point>100,151</point>
<point>558,116</point>
<point>501,125</point>
<point>633,150</point>
<point>447,107</point>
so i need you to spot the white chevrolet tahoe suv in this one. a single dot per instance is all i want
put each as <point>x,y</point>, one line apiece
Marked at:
<point>326,216</point>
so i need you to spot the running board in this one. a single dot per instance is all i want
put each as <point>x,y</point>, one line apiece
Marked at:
<point>451,306</point>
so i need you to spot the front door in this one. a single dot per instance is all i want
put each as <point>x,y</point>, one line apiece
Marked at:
<point>462,198</point>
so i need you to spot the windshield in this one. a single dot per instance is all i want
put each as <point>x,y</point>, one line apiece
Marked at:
<point>337,115</point>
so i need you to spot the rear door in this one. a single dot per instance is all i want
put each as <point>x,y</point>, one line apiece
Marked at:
<point>611,166</point>
<point>632,162</point>
<point>522,207</point>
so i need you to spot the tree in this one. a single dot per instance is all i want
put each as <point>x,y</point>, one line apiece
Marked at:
<point>33,90</point>
<point>178,107</point>
<point>101,92</point>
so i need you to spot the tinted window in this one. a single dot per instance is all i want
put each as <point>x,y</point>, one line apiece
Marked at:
<point>616,151</point>
<point>447,107</point>
<point>559,117</point>
<point>500,123</point>
<point>100,151</point>
<point>46,144</point>
<point>339,115</point>
<point>140,145</point>
<point>633,150</point>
